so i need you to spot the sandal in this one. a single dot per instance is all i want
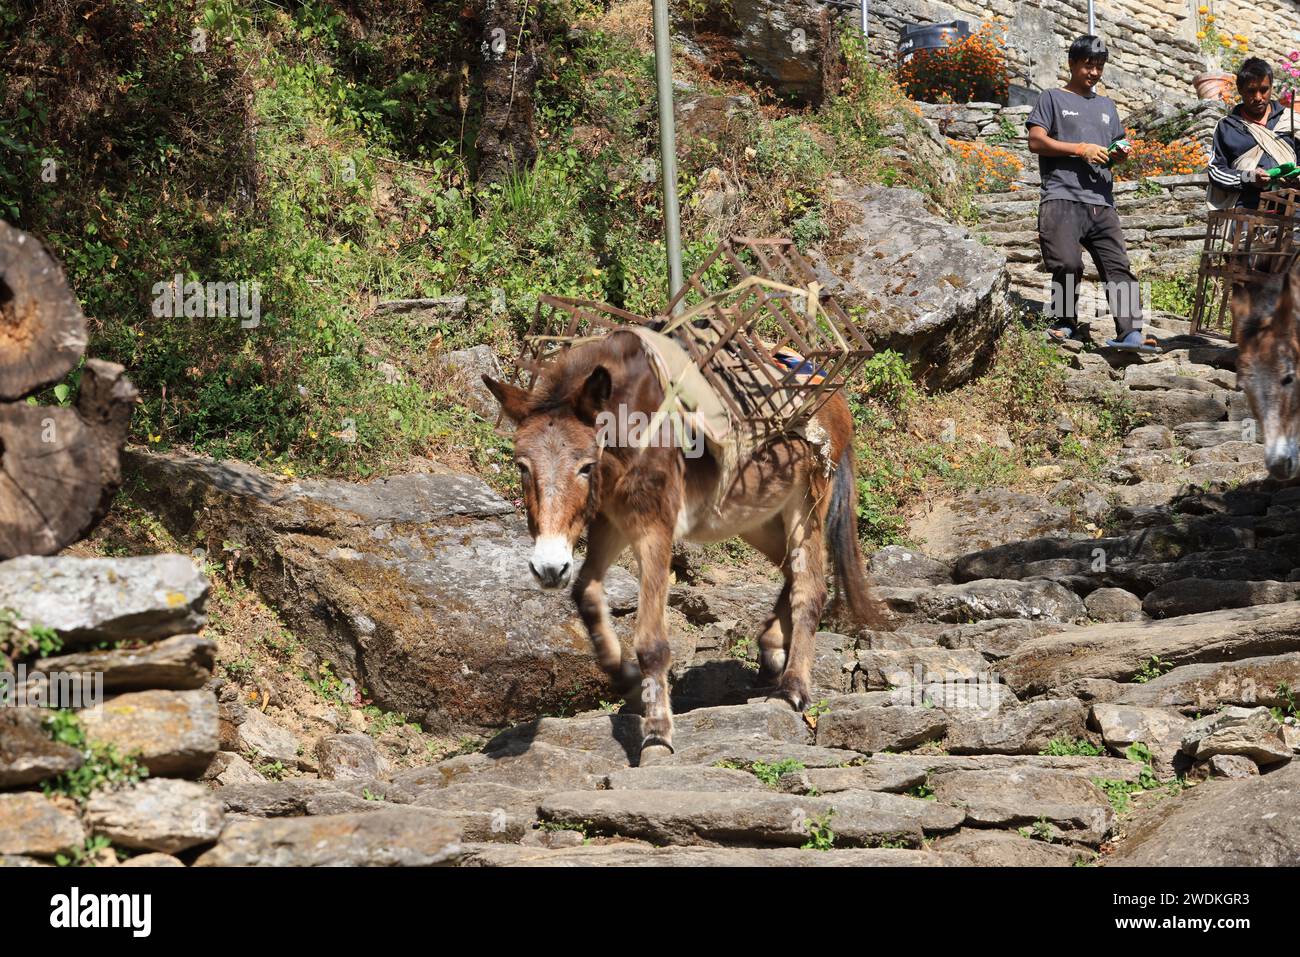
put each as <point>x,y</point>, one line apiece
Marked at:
<point>1135,341</point>
<point>1060,332</point>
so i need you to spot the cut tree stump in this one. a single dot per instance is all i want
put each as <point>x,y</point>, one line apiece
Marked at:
<point>42,329</point>
<point>59,467</point>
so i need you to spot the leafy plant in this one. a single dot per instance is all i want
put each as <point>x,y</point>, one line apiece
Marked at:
<point>1288,708</point>
<point>84,855</point>
<point>922,790</point>
<point>770,774</point>
<point>1079,747</point>
<point>1040,830</point>
<point>1153,668</point>
<point>20,638</point>
<point>821,837</point>
<point>103,765</point>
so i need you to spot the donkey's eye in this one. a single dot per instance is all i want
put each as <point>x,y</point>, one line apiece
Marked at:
<point>585,470</point>
<point>1288,378</point>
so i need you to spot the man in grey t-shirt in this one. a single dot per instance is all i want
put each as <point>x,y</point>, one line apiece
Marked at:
<point>1071,130</point>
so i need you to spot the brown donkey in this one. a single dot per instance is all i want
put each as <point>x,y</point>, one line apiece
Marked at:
<point>781,501</point>
<point>1266,312</point>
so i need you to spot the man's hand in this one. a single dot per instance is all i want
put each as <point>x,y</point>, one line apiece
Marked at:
<point>1259,177</point>
<point>1094,154</point>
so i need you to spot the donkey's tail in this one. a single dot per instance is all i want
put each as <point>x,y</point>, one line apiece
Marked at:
<point>842,537</point>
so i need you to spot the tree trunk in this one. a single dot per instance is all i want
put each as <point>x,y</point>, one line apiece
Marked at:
<point>59,467</point>
<point>42,330</point>
<point>510,62</point>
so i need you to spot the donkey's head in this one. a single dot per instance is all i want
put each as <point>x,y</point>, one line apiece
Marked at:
<point>1266,316</point>
<point>557,450</point>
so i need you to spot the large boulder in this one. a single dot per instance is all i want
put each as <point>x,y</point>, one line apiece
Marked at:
<point>415,587</point>
<point>791,46</point>
<point>1246,823</point>
<point>1121,650</point>
<point>917,283</point>
<point>106,599</point>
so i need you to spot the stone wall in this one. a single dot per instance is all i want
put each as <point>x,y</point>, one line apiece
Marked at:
<point>1154,54</point>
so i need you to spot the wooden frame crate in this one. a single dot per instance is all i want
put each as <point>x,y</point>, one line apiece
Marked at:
<point>794,340</point>
<point>1239,244</point>
<point>755,322</point>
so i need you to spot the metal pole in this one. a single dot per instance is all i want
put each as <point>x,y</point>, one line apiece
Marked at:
<point>866,13</point>
<point>668,146</point>
<point>1092,18</point>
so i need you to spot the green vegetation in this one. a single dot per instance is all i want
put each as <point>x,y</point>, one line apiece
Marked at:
<point>103,765</point>
<point>1288,708</point>
<point>923,791</point>
<point>1174,293</point>
<point>271,770</point>
<point>1118,792</point>
<point>769,774</point>
<point>20,639</point>
<point>1040,830</point>
<point>821,837</point>
<point>1079,747</point>
<point>85,854</point>
<point>1154,667</point>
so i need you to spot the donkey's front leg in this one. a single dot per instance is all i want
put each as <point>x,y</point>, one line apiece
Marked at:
<point>605,542</point>
<point>654,549</point>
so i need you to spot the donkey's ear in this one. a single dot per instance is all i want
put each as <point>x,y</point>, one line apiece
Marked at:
<point>1288,304</point>
<point>514,400</point>
<point>594,394</point>
<point>1242,305</point>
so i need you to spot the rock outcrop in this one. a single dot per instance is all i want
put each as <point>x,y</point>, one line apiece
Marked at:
<point>917,283</point>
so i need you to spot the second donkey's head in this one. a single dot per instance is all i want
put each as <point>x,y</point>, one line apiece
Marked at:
<point>1267,314</point>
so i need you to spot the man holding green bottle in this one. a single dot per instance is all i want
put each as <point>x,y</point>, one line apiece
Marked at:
<point>1077,135</point>
<point>1251,144</point>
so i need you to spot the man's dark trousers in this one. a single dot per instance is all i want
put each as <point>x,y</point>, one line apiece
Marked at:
<point>1065,230</point>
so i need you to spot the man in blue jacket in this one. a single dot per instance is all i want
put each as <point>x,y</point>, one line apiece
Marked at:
<point>1249,141</point>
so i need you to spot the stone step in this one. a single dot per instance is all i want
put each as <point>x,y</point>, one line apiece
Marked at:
<point>859,819</point>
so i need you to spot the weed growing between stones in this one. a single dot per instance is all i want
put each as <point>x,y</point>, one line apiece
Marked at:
<point>770,773</point>
<point>89,853</point>
<point>22,639</point>
<point>1040,830</point>
<point>821,837</point>
<point>1289,708</point>
<point>103,765</point>
<point>1152,668</point>
<point>1079,747</point>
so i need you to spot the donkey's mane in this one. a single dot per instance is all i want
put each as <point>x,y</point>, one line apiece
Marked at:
<point>561,378</point>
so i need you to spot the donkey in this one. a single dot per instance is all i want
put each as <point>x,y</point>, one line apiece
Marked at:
<point>781,501</point>
<point>1266,311</point>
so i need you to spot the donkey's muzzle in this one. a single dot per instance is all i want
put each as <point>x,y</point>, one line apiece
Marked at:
<point>552,561</point>
<point>551,575</point>
<point>1284,466</point>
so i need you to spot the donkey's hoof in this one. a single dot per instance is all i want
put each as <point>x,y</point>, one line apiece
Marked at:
<point>792,692</point>
<point>654,754</point>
